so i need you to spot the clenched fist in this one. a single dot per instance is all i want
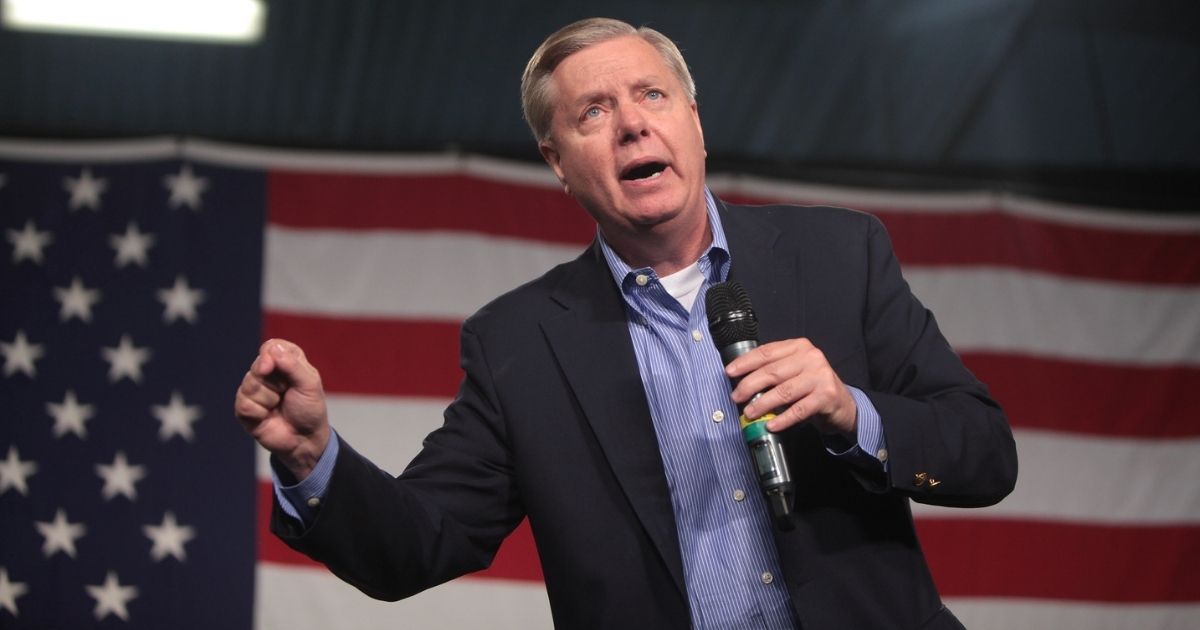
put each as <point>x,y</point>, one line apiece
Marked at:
<point>282,404</point>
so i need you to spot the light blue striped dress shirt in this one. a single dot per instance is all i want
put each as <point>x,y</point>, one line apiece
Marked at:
<point>731,566</point>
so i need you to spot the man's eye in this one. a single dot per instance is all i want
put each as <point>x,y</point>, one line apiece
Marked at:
<point>592,112</point>
<point>654,95</point>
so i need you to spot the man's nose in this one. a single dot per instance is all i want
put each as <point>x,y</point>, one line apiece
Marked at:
<point>631,123</point>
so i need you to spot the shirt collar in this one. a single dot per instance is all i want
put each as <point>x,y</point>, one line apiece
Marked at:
<point>714,262</point>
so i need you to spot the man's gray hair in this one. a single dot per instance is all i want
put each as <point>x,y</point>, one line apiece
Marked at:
<point>536,90</point>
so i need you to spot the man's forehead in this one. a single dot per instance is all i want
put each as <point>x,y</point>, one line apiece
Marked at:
<point>613,63</point>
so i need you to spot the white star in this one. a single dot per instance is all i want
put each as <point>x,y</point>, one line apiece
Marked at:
<point>169,538</point>
<point>85,190</point>
<point>13,472</point>
<point>20,355</point>
<point>70,416</point>
<point>125,360</point>
<point>77,300</point>
<point>60,534</point>
<point>176,418</point>
<point>180,301</point>
<point>119,477</point>
<point>111,598</point>
<point>10,591</point>
<point>132,246</point>
<point>185,188</point>
<point>28,243</point>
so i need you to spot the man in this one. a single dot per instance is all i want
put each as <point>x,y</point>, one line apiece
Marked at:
<point>594,401</point>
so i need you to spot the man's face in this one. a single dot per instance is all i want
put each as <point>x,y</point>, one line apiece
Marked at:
<point>625,139</point>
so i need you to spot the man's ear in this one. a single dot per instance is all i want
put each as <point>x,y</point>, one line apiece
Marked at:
<point>552,157</point>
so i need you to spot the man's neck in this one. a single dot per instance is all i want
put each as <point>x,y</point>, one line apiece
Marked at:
<point>665,253</point>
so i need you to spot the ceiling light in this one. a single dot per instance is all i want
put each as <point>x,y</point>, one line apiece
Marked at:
<point>231,21</point>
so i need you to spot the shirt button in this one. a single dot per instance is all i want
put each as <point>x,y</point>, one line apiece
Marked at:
<point>718,415</point>
<point>642,279</point>
<point>313,502</point>
<point>696,334</point>
<point>881,455</point>
<point>738,495</point>
<point>766,577</point>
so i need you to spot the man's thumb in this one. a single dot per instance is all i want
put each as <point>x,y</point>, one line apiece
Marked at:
<point>290,363</point>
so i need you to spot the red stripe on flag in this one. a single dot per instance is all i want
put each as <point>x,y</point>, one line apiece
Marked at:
<point>1006,240</point>
<point>425,202</point>
<point>1071,561</point>
<point>516,559</point>
<point>1090,398</point>
<point>995,238</point>
<point>270,547</point>
<point>375,356</point>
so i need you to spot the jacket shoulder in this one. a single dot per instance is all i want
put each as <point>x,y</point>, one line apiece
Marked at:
<point>795,214</point>
<point>527,302</point>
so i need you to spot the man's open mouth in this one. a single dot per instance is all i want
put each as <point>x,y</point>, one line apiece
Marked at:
<point>649,170</point>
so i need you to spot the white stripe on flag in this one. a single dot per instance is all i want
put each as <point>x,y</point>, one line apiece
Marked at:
<point>438,275</point>
<point>1102,480</point>
<point>388,431</point>
<point>1023,312</point>
<point>291,597</point>
<point>1005,614</point>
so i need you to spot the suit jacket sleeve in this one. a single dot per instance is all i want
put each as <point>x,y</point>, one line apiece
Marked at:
<point>443,517</point>
<point>948,441</point>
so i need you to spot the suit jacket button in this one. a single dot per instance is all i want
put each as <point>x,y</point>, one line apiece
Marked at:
<point>919,479</point>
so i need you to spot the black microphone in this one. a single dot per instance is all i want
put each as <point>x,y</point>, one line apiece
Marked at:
<point>735,332</point>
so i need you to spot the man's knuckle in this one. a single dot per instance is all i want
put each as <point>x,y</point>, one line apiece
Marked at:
<point>244,407</point>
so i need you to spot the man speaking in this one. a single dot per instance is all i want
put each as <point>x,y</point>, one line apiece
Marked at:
<point>596,403</point>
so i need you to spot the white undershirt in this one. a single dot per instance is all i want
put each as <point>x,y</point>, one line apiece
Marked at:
<point>684,285</point>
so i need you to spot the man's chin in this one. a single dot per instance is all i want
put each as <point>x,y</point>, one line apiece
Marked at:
<point>661,221</point>
<point>652,210</point>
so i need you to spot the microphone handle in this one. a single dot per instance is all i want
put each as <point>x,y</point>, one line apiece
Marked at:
<point>766,450</point>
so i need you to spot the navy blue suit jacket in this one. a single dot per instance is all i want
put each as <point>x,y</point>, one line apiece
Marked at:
<point>551,422</point>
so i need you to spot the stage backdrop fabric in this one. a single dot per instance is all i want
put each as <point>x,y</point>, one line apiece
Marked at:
<point>138,278</point>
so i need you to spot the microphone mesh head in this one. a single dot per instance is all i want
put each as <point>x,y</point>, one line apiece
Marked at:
<point>730,317</point>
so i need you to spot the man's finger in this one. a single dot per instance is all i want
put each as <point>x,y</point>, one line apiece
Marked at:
<point>780,396</point>
<point>291,364</point>
<point>264,363</point>
<point>254,401</point>
<point>770,352</point>
<point>263,392</point>
<point>279,363</point>
<point>750,361</point>
<point>767,376</point>
<point>248,411</point>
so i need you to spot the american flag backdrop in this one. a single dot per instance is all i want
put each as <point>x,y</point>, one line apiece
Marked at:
<point>138,278</point>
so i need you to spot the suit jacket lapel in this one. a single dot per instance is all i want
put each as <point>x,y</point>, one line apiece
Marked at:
<point>591,341</point>
<point>770,278</point>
